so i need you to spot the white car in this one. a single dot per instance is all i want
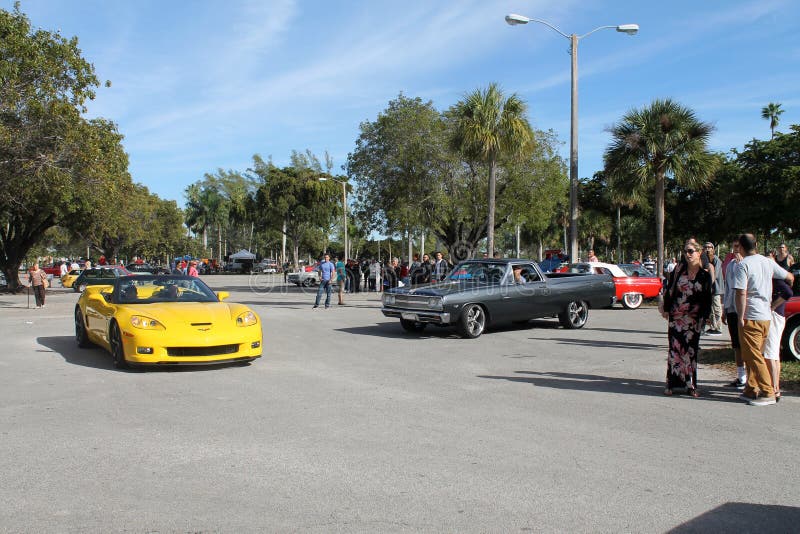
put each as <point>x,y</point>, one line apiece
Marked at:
<point>304,278</point>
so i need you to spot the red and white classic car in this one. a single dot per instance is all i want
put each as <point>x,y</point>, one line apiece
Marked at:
<point>633,283</point>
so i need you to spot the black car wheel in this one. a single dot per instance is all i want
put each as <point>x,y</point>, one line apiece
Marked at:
<point>472,322</point>
<point>632,301</point>
<point>412,326</point>
<point>791,341</point>
<point>308,282</point>
<point>575,315</point>
<point>117,350</point>
<point>81,336</point>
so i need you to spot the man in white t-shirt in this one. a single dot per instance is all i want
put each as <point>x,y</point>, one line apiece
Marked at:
<point>753,284</point>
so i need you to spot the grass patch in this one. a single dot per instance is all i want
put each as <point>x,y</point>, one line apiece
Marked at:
<point>723,358</point>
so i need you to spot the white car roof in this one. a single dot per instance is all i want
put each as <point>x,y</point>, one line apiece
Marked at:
<point>613,269</point>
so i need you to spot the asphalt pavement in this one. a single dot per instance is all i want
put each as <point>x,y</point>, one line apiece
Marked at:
<point>349,424</point>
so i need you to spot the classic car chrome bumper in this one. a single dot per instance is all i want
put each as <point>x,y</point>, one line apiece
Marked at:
<point>419,316</point>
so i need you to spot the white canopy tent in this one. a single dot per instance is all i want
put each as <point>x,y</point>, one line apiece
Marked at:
<point>243,255</point>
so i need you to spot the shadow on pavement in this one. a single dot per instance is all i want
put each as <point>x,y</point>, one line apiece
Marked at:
<point>609,344</point>
<point>743,517</point>
<point>395,331</point>
<point>607,384</point>
<point>99,358</point>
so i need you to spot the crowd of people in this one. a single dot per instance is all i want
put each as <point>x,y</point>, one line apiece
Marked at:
<point>746,292</point>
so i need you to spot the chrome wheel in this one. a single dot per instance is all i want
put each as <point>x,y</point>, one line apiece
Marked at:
<point>575,315</point>
<point>792,341</point>
<point>632,300</point>
<point>473,321</point>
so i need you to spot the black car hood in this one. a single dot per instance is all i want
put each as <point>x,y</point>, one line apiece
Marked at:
<point>440,289</point>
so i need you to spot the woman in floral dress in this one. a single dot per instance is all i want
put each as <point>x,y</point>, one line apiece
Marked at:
<point>686,305</point>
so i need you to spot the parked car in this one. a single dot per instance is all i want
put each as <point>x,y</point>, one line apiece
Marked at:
<point>3,281</point>
<point>69,279</point>
<point>307,276</point>
<point>632,283</point>
<point>478,293</point>
<point>166,319</point>
<point>98,276</point>
<point>266,266</point>
<point>791,333</point>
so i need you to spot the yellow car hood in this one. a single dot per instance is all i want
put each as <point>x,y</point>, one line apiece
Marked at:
<point>188,314</point>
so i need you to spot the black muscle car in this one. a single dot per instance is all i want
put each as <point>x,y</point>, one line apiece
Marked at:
<point>478,293</point>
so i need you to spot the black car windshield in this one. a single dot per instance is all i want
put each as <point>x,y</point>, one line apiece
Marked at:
<point>150,289</point>
<point>478,270</point>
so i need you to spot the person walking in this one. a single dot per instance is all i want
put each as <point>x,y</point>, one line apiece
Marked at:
<point>341,279</point>
<point>38,279</point>
<point>374,269</point>
<point>440,268</point>
<point>715,318</point>
<point>326,270</point>
<point>686,305</point>
<point>753,285</point>
<point>730,317</point>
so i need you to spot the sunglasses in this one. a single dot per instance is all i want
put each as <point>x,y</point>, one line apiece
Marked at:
<point>689,251</point>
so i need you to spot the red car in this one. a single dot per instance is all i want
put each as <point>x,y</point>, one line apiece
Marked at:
<point>791,334</point>
<point>633,283</point>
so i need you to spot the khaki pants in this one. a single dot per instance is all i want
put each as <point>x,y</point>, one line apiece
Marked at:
<point>716,312</point>
<point>751,338</point>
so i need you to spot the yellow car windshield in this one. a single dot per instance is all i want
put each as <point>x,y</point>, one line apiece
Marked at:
<point>150,289</point>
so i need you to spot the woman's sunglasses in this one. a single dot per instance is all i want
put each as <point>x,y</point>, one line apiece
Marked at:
<point>690,251</point>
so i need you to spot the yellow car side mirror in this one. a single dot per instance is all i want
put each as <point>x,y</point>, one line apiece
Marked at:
<point>222,295</point>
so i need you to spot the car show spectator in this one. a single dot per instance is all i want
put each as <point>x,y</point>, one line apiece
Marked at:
<point>326,270</point>
<point>592,257</point>
<point>715,319</point>
<point>783,258</point>
<point>731,318</point>
<point>422,274</point>
<point>781,292</point>
<point>64,269</point>
<point>374,270</point>
<point>192,269</point>
<point>440,268</point>
<point>686,305</point>
<point>341,279</point>
<point>753,284</point>
<point>37,278</point>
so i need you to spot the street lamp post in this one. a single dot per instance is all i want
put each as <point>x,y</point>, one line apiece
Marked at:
<point>629,29</point>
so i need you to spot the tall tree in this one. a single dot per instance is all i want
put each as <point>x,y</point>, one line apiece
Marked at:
<point>660,142</point>
<point>772,112</point>
<point>50,156</point>
<point>490,126</point>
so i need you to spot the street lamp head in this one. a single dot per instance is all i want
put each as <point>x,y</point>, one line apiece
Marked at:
<point>630,29</point>
<point>513,19</point>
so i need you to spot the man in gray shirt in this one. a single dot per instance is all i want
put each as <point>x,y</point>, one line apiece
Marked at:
<point>753,284</point>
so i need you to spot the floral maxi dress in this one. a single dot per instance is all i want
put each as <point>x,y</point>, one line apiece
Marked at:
<point>687,314</point>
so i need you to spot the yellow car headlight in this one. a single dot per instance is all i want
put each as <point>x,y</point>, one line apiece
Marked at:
<point>146,323</point>
<point>246,319</point>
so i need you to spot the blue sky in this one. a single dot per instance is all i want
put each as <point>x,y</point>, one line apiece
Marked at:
<point>201,85</point>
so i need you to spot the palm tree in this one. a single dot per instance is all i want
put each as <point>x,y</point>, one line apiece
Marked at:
<point>651,145</point>
<point>490,126</point>
<point>772,113</point>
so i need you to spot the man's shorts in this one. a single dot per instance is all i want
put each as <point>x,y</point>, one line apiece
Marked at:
<point>772,346</point>
<point>733,329</point>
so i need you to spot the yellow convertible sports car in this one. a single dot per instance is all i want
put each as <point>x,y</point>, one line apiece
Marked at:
<point>144,320</point>
<point>68,279</point>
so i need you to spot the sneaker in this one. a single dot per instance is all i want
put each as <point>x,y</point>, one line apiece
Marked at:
<point>746,398</point>
<point>316,306</point>
<point>736,384</point>
<point>713,332</point>
<point>761,401</point>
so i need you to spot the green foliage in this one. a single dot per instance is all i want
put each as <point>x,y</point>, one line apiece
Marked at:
<point>663,141</point>
<point>772,112</point>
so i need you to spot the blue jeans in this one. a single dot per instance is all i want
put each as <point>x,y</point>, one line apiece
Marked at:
<point>324,285</point>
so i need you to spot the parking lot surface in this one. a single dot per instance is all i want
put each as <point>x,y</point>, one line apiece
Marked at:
<point>349,424</point>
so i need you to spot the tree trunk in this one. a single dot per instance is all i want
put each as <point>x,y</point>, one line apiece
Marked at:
<point>659,205</point>
<point>490,220</point>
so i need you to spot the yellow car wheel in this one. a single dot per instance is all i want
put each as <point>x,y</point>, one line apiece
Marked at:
<point>117,350</point>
